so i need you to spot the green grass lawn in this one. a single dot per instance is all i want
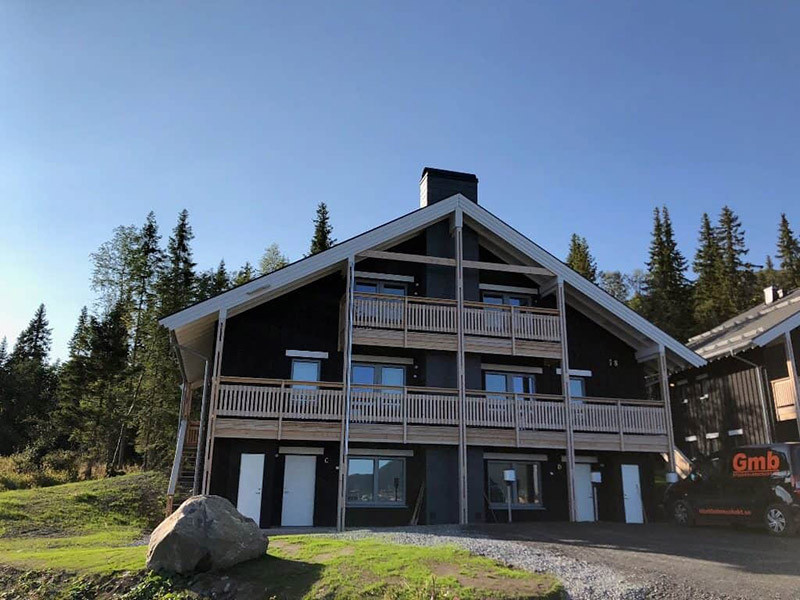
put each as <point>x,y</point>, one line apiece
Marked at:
<point>83,533</point>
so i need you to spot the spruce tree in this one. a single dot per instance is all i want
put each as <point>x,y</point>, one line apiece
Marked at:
<point>322,239</point>
<point>35,340</point>
<point>272,260</point>
<point>707,266</point>
<point>213,282</point>
<point>737,277</point>
<point>666,297</point>
<point>768,275</point>
<point>580,259</point>
<point>177,281</point>
<point>245,274</point>
<point>789,255</point>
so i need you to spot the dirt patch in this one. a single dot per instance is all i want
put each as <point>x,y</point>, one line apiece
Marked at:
<point>519,587</point>
<point>327,556</point>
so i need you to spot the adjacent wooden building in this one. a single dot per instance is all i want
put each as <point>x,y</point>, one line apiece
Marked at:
<point>747,393</point>
<point>401,377</point>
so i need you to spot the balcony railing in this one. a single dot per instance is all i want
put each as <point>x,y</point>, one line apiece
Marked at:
<point>437,315</point>
<point>302,400</point>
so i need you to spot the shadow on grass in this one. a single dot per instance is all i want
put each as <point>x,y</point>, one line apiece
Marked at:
<point>261,578</point>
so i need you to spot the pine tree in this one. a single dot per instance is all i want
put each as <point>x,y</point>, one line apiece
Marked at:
<point>789,255</point>
<point>666,294</point>
<point>322,239</point>
<point>73,382</point>
<point>580,259</point>
<point>707,266</point>
<point>272,260</point>
<point>614,283</point>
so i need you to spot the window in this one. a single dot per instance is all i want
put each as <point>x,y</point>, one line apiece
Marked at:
<point>377,375</point>
<point>304,370</point>
<point>512,383</point>
<point>376,481</point>
<point>380,287</point>
<point>525,491</point>
<point>507,299</point>
<point>577,387</point>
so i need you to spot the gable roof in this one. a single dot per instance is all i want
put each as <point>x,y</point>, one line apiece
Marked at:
<point>755,327</point>
<point>194,325</point>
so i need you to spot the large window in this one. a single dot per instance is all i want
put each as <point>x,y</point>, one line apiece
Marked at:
<point>577,387</point>
<point>507,299</point>
<point>525,491</point>
<point>380,287</point>
<point>376,481</point>
<point>512,383</point>
<point>368,374</point>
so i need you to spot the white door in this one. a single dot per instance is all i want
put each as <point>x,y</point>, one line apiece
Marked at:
<point>298,490</point>
<point>632,494</point>
<point>584,492</point>
<point>251,480</point>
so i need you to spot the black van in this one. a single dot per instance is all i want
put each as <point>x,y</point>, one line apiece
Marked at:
<point>752,485</point>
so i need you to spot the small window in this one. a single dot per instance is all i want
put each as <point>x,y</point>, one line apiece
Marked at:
<point>525,491</point>
<point>577,387</point>
<point>373,481</point>
<point>305,370</point>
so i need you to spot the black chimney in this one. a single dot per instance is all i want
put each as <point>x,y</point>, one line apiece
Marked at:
<point>438,184</point>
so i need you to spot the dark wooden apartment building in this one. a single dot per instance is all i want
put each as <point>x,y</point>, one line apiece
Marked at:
<point>747,392</point>
<point>406,373</point>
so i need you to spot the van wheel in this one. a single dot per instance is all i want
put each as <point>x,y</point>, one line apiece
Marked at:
<point>778,520</point>
<point>682,514</point>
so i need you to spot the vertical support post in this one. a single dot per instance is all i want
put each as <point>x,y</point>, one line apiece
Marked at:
<point>463,510</point>
<point>664,380</point>
<point>405,321</point>
<point>344,444</point>
<point>562,317</point>
<point>405,414</point>
<point>513,332</point>
<point>516,418</point>
<point>199,463</point>
<point>212,417</point>
<point>281,408</point>
<point>791,365</point>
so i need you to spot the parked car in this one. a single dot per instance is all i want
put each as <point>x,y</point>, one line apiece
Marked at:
<point>754,485</point>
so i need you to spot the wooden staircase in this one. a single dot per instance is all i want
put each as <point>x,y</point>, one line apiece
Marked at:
<point>183,479</point>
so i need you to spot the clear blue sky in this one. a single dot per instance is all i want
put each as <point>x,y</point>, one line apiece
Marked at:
<point>575,117</point>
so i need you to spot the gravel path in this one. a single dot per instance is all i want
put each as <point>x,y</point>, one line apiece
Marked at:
<point>582,580</point>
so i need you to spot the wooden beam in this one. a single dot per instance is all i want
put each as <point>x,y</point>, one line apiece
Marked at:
<point>562,312</point>
<point>463,507</point>
<point>216,373</point>
<point>344,444</point>
<point>525,269</point>
<point>664,380</point>
<point>791,365</point>
<point>401,256</point>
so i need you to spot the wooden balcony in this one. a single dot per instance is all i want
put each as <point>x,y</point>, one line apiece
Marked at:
<point>431,323</point>
<point>279,409</point>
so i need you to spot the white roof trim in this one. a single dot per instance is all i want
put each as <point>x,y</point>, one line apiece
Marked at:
<point>780,329</point>
<point>313,264</point>
<point>420,219</point>
<point>607,301</point>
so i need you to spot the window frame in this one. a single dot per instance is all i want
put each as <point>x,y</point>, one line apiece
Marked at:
<point>505,298</point>
<point>315,361</point>
<point>515,505</point>
<point>375,503</point>
<point>509,375</point>
<point>380,286</point>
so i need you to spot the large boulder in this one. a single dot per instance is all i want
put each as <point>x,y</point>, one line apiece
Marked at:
<point>204,534</point>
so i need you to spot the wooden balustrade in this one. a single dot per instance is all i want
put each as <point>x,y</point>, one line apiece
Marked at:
<point>303,400</point>
<point>437,315</point>
<point>192,433</point>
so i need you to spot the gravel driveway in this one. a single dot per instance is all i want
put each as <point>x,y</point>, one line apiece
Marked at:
<point>613,561</point>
